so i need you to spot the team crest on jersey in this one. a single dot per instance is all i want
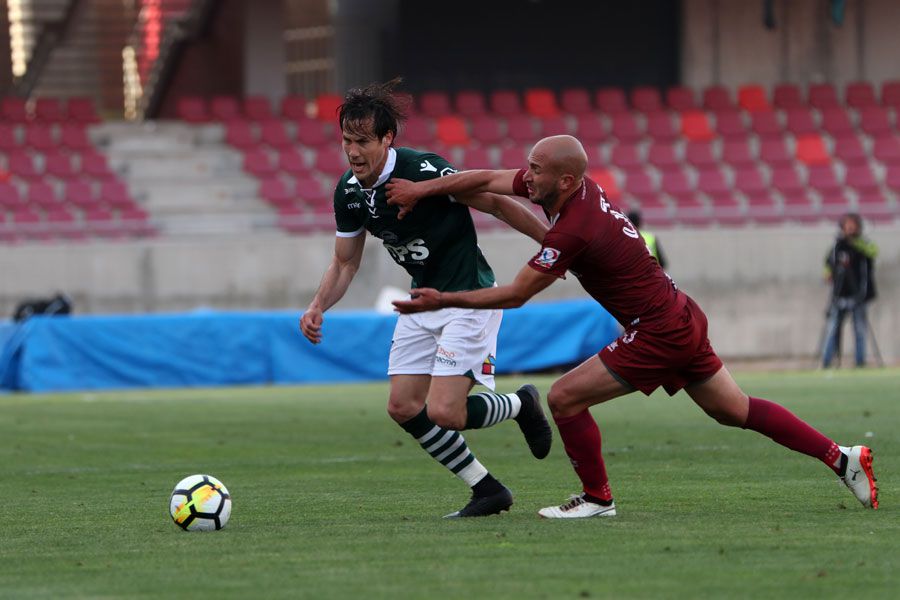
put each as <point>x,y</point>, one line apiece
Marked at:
<point>547,257</point>
<point>487,367</point>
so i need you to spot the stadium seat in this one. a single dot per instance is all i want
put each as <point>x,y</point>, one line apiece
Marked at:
<point>711,181</point>
<point>875,207</point>
<point>591,129</point>
<point>541,102</point>
<point>823,179</point>
<point>643,187</point>
<point>677,185</point>
<point>310,192</point>
<point>59,165</point>
<point>775,153</point>
<point>860,178</point>
<point>860,94</point>
<point>417,132</point>
<point>10,198</point>
<point>625,127</point>
<point>730,125</point>
<point>886,149</point>
<point>99,222</point>
<point>274,134</point>
<point>477,157</point>
<point>849,150</point>
<point>192,109</point>
<point>74,137</point>
<point>558,125</point>
<point>14,110</point>
<point>327,106</point>
<point>811,150</point>
<point>514,157</point>
<point>646,99</point>
<point>680,98</point>
<point>695,126</point>
<point>486,130</point>
<point>787,181</point>
<point>890,94</point>
<point>225,109</point>
<point>520,129</point>
<point>274,191</point>
<point>725,209</point>
<point>752,98</point>
<point>799,206</point>
<point>61,223</point>
<point>49,110</point>
<point>257,108</point>
<point>823,95</point>
<point>892,178</point>
<point>8,138</point>
<point>451,130</point>
<point>763,208</point>
<point>258,162</point>
<point>115,195</point>
<point>737,153</point>
<point>749,181</point>
<point>663,155</point>
<point>765,124</point>
<point>661,126</point>
<point>836,122</point>
<point>292,162</point>
<point>21,164</point>
<point>576,101</point>
<point>470,103</point>
<point>874,121</point>
<point>95,166</point>
<point>606,179</point>
<point>28,225</point>
<point>241,134</point>
<point>80,194</point>
<point>434,104</point>
<point>800,121</point>
<point>505,103</point>
<point>314,133</point>
<point>787,95</point>
<point>716,98</point>
<point>700,154</point>
<point>625,155</point>
<point>835,203</point>
<point>331,162</point>
<point>611,100</point>
<point>294,107</point>
<point>40,137</point>
<point>82,110</point>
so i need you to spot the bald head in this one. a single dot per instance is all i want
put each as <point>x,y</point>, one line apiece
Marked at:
<point>564,154</point>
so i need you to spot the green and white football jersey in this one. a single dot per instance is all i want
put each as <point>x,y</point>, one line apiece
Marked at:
<point>436,242</point>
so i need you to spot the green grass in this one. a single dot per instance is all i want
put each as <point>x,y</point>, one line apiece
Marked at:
<point>332,500</point>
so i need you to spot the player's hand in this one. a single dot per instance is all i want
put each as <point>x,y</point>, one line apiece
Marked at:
<point>421,300</point>
<point>311,325</point>
<point>402,193</point>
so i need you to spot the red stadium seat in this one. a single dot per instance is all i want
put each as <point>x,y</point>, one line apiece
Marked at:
<point>558,125</point>
<point>763,208</point>
<point>310,191</point>
<point>10,198</point>
<point>835,203</point>
<point>28,224</point>
<point>752,98</point>
<point>294,107</point>
<point>59,164</point>
<point>836,122</point>
<point>452,131</point>
<point>505,102</point>
<point>470,103</point>
<point>241,134</point>
<point>788,95</point>
<point>646,99</point>
<point>520,129</point>
<point>115,195</point>
<point>786,180</point>
<point>477,157</point>
<point>800,206</point>
<point>642,186</point>
<point>192,109</point>
<point>822,178</point>
<point>94,165</point>
<point>8,138</point>
<point>225,109</point>
<point>625,155</point>
<point>890,94</point>
<point>874,121</point>
<point>100,222</point>
<point>40,137</point>
<point>887,150</point>
<point>800,121</point>
<point>274,191</point>
<point>677,185</point>
<point>663,156</point>
<point>730,125</point>
<point>774,152</point>
<point>680,98</point>
<point>327,106</point>
<point>700,154</point>
<point>258,162</point>
<point>861,178</point>
<point>292,162</point>
<point>823,95</point>
<point>514,157</point>
<point>712,182</point>
<point>541,102</point>
<point>313,133</point>
<point>611,100</point>
<point>860,94</point>
<point>726,209</point>
<point>811,150</point>
<point>49,110</point>
<point>737,153</point>
<point>418,132</point>
<point>21,164</point>
<point>576,101</point>
<point>80,194</point>
<point>850,150</point>
<point>330,162</point>
<point>661,126</point>
<point>486,130</point>
<point>765,124</point>
<point>82,110</point>
<point>717,98</point>
<point>14,109</point>
<point>434,104</point>
<point>274,134</point>
<point>61,223</point>
<point>626,128</point>
<point>606,179</point>
<point>695,126</point>
<point>749,181</point>
<point>74,137</point>
<point>257,108</point>
<point>591,129</point>
<point>875,207</point>
<point>892,178</point>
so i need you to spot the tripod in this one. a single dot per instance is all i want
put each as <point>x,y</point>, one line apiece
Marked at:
<point>838,308</point>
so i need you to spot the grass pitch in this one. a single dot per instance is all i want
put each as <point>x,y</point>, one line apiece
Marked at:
<point>332,500</point>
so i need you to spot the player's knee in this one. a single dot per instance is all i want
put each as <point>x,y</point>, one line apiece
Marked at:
<point>401,412</point>
<point>725,416</point>
<point>561,402</point>
<point>446,417</point>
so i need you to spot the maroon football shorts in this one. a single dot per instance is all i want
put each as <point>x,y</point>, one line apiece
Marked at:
<point>671,353</point>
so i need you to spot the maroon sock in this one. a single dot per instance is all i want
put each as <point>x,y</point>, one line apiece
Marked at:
<point>581,437</point>
<point>783,426</point>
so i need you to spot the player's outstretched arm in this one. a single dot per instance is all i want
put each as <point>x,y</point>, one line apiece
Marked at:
<point>347,257</point>
<point>527,283</point>
<point>509,211</point>
<point>405,194</point>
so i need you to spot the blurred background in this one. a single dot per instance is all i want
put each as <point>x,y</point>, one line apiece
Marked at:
<point>158,156</point>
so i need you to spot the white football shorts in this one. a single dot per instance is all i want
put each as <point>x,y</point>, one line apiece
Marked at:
<point>449,341</point>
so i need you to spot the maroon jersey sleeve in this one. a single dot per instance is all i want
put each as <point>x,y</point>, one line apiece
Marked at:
<point>519,188</point>
<point>557,253</point>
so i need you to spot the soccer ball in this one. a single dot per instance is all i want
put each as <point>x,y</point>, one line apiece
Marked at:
<point>200,503</point>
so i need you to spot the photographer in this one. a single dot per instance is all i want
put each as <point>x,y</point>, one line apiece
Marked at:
<point>849,266</point>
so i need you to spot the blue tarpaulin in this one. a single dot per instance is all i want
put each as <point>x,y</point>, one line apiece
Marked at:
<point>61,353</point>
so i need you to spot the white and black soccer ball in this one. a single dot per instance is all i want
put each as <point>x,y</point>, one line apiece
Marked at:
<point>200,503</point>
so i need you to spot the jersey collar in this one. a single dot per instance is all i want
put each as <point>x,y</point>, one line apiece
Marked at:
<point>385,173</point>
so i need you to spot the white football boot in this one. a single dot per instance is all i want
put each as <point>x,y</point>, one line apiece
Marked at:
<point>578,508</point>
<point>859,476</point>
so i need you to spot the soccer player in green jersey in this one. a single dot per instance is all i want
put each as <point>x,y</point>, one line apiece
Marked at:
<point>435,358</point>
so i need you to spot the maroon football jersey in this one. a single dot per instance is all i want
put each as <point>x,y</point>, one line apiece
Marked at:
<point>597,243</point>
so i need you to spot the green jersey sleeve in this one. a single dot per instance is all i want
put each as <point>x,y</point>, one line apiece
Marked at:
<point>429,166</point>
<point>349,221</point>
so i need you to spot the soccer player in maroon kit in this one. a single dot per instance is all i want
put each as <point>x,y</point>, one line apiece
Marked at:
<point>664,342</point>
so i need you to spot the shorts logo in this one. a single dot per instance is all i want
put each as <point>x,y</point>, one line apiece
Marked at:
<point>629,336</point>
<point>547,258</point>
<point>612,347</point>
<point>445,357</point>
<point>487,367</point>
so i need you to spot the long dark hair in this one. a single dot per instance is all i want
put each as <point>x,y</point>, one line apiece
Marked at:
<point>376,102</point>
